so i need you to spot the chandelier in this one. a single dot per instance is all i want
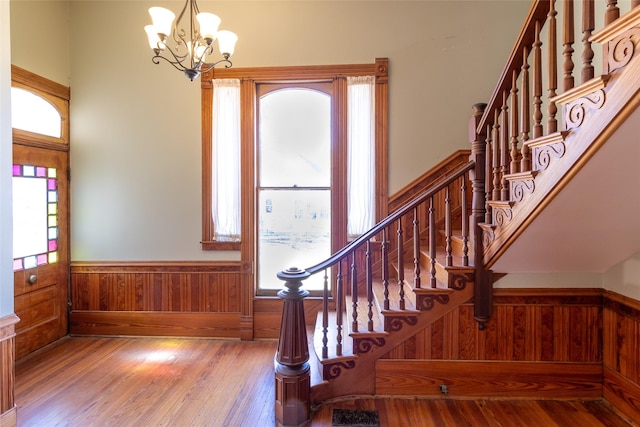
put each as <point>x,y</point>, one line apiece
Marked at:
<point>191,49</point>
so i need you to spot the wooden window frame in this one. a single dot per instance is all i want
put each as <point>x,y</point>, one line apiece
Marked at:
<point>57,95</point>
<point>249,78</point>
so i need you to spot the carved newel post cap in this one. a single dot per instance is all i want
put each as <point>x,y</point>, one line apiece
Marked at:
<point>293,277</point>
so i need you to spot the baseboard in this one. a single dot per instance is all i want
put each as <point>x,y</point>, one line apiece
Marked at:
<point>145,323</point>
<point>9,418</point>
<point>622,394</point>
<point>489,379</point>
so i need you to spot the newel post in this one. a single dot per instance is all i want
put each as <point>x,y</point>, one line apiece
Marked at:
<point>292,377</point>
<point>483,293</point>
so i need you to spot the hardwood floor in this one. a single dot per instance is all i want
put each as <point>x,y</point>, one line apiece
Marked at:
<point>197,382</point>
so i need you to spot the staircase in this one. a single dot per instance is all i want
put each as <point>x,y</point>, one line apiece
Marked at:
<point>436,251</point>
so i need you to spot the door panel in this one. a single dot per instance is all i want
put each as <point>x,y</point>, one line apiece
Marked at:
<point>41,292</point>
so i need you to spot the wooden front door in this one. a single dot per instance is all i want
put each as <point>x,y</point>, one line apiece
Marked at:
<point>41,245</point>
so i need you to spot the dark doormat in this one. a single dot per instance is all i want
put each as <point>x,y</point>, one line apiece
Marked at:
<point>354,418</point>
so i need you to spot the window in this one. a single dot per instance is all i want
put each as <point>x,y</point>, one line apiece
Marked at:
<point>35,216</point>
<point>348,172</point>
<point>225,153</point>
<point>35,114</point>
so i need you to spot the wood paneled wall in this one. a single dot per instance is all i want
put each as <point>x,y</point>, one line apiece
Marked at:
<point>559,325</point>
<point>621,353</point>
<point>7,371</point>
<point>540,343</point>
<point>160,299</point>
<point>201,299</point>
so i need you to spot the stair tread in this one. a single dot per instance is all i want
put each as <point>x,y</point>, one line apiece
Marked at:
<point>332,333</point>
<point>394,296</point>
<point>441,256</point>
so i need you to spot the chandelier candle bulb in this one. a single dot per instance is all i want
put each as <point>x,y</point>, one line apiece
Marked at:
<point>162,19</point>
<point>208,26</point>
<point>188,51</point>
<point>226,42</point>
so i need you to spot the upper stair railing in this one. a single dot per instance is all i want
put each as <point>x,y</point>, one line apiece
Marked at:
<point>537,102</point>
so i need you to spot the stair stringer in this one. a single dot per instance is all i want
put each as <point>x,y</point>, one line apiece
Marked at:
<point>604,104</point>
<point>355,375</point>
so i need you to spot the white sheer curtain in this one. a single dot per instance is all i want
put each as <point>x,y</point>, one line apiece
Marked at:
<point>226,159</point>
<point>361,155</point>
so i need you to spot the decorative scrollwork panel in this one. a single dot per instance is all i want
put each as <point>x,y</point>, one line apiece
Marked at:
<point>334,370</point>
<point>502,215</point>
<point>395,323</point>
<point>365,345</point>
<point>427,302</point>
<point>459,281</point>
<point>542,155</point>
<point>520,188</point>
<point>622,49</point>
<point>488,236</point>
<point>575,111</point>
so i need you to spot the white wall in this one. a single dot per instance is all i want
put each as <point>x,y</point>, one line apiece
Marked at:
<point>135,126</point>
<point>6,222</point>
<point>138,124</point>
<point>625,278</point>
<point>40,38</point>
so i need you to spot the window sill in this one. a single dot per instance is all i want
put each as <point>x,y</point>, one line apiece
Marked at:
<point>219,245</point>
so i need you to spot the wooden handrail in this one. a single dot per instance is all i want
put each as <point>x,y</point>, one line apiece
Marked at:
<point>537,12</point>
<point>437,186</point>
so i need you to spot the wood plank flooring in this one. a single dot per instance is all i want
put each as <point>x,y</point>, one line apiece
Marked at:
<point>92,381</point>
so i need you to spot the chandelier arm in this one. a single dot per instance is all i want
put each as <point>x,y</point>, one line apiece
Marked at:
<point>176,64</point>
<point>210,67</point>
<point>178,33</point>
<point>197,65</point>
<point>178,58</point>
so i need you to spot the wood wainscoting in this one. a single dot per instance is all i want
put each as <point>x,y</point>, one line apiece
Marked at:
<point>621,353</point>
<point>185,299</point>
<point>539,343</point>
<point>182,299</point>
<point>7,371</point>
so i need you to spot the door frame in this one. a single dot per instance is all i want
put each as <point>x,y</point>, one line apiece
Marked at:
<point>58,96</point>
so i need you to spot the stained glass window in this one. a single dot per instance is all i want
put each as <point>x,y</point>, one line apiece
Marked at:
<point>35,216</point>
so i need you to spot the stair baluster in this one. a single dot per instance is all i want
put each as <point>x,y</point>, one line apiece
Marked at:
<point>340,297</point>
<point>488,185</point>
<point>369,278</point>
<point>385,269</point>
<point>504,148</point>
<point>447,228</point>
<point>432,243</point>
<point>567,42</point>
<point>588,25</point>
<point>400,265</point>
<point>325,315</point>
<point>416,249</point>
<point>496,156</point>
<point>537,91</point>
<point>514,165</point>
<point>612,13</point>
<point>552,123</point>
<point>465,224</point>
<point>354,293</point>
<point>525,160</point>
